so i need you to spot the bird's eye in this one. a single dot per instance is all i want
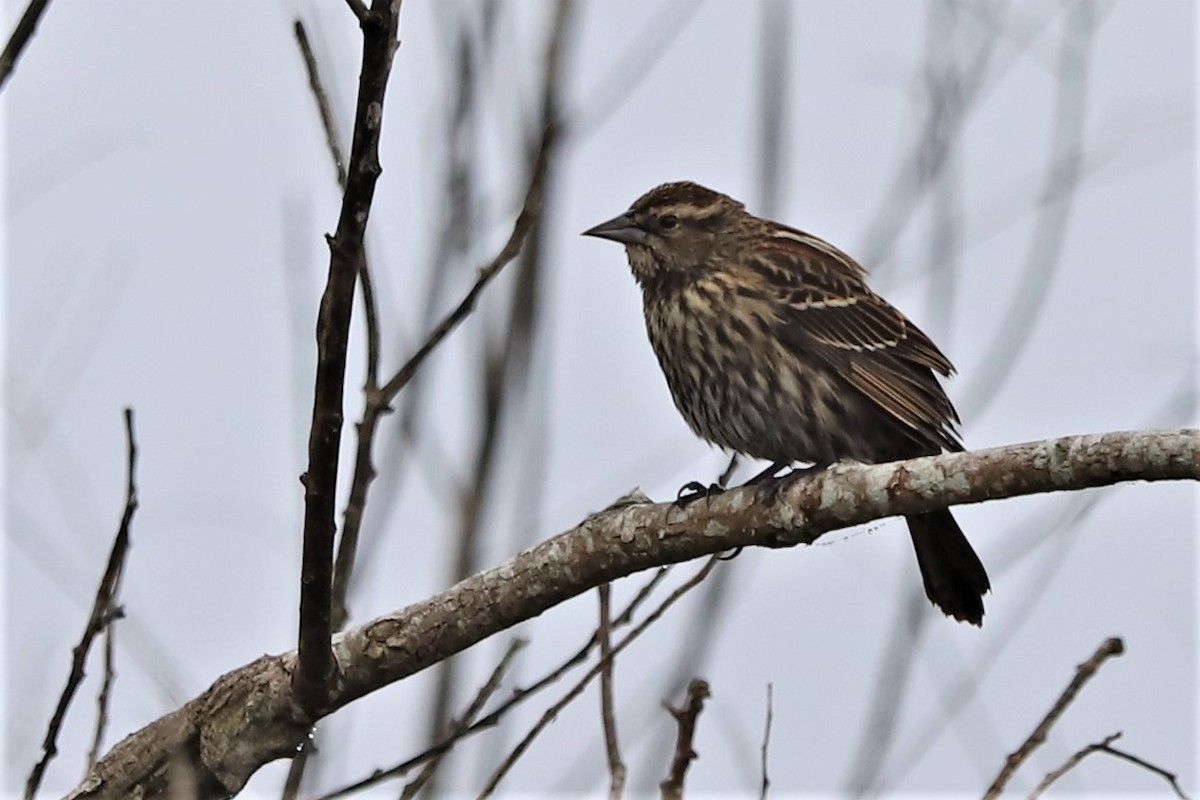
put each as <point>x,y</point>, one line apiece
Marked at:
<point>669,222</point>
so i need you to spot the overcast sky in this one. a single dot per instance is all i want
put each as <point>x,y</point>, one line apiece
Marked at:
<point>168,188</point>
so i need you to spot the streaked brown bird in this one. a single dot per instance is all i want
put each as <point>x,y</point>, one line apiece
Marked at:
<point>774,347</point>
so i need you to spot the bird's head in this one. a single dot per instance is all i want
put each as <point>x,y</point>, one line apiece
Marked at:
<point>675,228</point>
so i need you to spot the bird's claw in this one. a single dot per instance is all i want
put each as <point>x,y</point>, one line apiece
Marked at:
<point>692,491</point>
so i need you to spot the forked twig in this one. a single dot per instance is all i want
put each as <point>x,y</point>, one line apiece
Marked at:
<point>685,751</point>
<point>459,725</point>
<point>1105,746</point>
<point>106,685</point>
<point>1083,673</point>
<point>494,716</point>
<point>102,612</point>
<point>583,682</point>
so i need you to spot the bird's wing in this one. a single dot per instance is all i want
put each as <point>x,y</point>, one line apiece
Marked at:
<point>825,309</point>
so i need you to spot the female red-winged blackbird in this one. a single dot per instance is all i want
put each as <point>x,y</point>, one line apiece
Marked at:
<point>774,347</point>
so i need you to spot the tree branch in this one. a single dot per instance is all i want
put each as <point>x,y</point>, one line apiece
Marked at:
<point>248,719</point>
<point>316,666</point>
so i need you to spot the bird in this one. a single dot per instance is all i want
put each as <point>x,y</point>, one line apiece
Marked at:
<point>774,347</point>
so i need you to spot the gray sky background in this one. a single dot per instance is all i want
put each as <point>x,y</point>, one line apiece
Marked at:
<point>167,192</point>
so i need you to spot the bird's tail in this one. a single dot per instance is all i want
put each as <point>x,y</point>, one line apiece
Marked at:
<point>955,579</point>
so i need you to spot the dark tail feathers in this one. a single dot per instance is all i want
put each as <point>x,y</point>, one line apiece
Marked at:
<point>955,579</point>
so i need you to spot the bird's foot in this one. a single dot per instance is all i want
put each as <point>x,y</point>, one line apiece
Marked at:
<point>770,486</point>
<point>692,491</point>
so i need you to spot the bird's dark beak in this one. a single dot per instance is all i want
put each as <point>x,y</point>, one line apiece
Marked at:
<point>619,229</point>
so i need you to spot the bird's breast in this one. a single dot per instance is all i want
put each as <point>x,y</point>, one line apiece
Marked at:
<point>735,383</point>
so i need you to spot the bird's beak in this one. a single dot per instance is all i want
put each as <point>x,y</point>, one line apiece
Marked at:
<point>619,229</point>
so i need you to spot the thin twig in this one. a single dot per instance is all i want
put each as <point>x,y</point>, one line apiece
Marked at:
<point>518,696</point>
<point>685,751</point>
<point>766,742</point>
<point>324,107</point>
<point>616,768</point>
<point>1105,746</point>
<point>105,695</point>
<point>1083,673</point>
<point>1169,777</point>
<point>21,35</point>
<point>552,712</point>
<point>530,210</point>
<point>459,725</point>
<point>1070,764</point>
<point>102,610</point>
<point>315,661</point>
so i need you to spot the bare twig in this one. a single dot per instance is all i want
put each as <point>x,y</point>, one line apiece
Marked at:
<point>1070,764</point>
<point>616,768</point>
<point>316,665</point>
<point>1083,673</point>
<point>460,725</point>
<point>530,210</point>
<point>21,35</point>
<point>552,712</point>
<point>518,696</point>
<point>324,107</point>
<point>775,41</point>
<point>1105,746</point>
<point>766,742</point>
<point>685,751</point>
<point>105,694</point>
<point>102,612</point>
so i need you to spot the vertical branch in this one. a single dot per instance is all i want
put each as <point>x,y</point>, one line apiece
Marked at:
<point>105,695</point>
<point>774,62</point>
<point>315,662</point>
<point>764,751</point>
<point>945,91</point>
<point>103,609</point>
<point>616,768</point>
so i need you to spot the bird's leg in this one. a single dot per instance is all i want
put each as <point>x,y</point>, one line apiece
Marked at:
<point>728,473</point>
